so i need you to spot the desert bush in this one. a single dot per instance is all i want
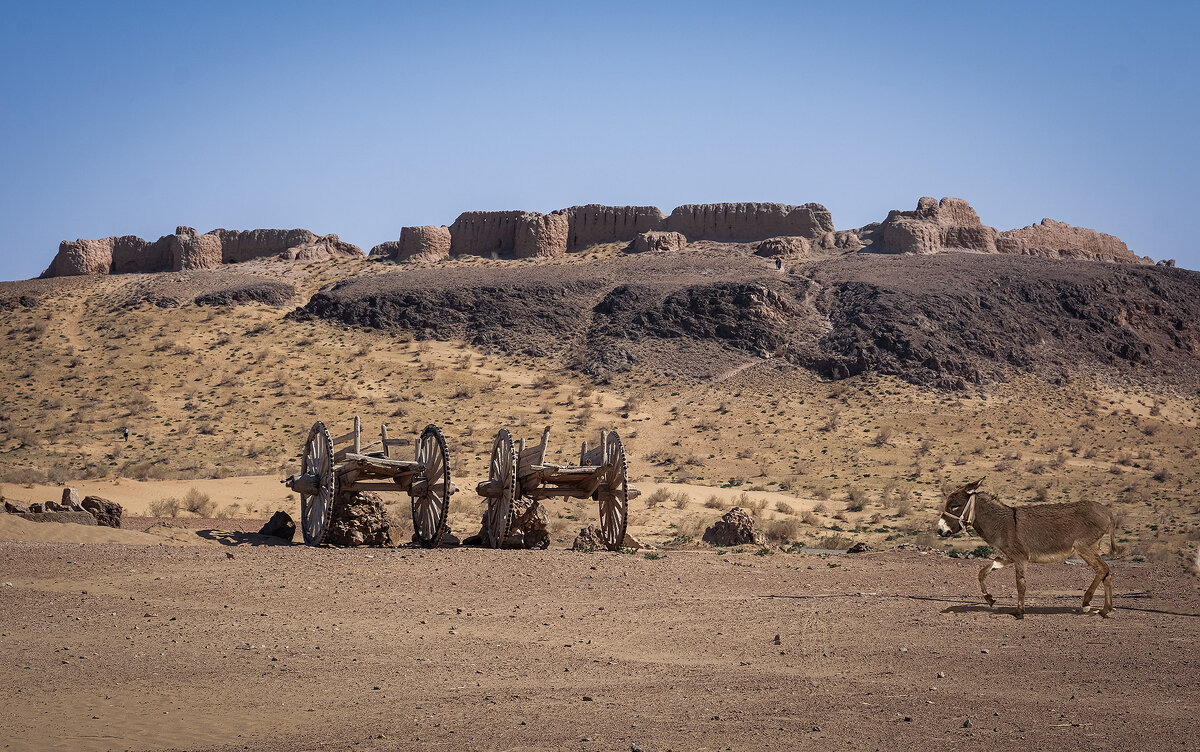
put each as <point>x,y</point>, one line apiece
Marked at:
<point>820,492</point>
<point>831,423</point>
<point>714,502</point>
<point>229,511</point>
<point>168,507</point>
<point>1160,473</point>
<point>659,496</point>
<point>835,542</point>
<point>821,508</point>
<point>25,476</point>
<point>1042,493</point>
<point>27,437</point>
<point>680,499</point>
<point>199,503</point>
<point>784,508</point>
<point>754,504</point>
<point>692,526</point>
<point>883,437</point>
<point>856,500</point>
<point>58,474</point>
<point>808,518</point>
<point>782,530</point>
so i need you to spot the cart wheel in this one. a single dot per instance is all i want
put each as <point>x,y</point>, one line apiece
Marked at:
<point>503,468</point>
<point>316,509</point>
<point>613,494</point>
<point>430,509</point>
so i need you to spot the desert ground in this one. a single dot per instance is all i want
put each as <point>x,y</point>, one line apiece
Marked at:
<point>187,630</point>
<point>233,645</point>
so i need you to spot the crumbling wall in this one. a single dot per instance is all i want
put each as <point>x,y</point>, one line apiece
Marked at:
<point>749,222</point>
<point>596,223</point>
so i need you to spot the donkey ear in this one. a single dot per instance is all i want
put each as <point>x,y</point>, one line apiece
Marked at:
<point>974,486</point>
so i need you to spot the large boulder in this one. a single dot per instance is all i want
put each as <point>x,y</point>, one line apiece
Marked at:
<point>735,528</point>
<point>107,513</point>
<point>658,240</point>
<point>423,243</point>
<point>749,222</point>
<point>70,500</point>
<point>1054,239</point>
<point>934,226</point>
<point>359,519</point>
<point>279,526</point>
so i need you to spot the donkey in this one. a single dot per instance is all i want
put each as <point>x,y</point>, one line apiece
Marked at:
<point>1038,533</point>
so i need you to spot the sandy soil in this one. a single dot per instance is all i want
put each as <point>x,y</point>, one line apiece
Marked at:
<point>122,646</point>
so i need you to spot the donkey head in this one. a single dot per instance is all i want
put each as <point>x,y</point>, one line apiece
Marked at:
<point>958,509</point>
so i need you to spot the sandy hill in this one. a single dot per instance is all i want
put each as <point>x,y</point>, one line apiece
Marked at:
<point>836,398</point>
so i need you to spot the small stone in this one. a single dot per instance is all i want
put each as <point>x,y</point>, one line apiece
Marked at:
<point>967,723</point>
<point>777,642</point>
<point>587,699</point>
<point>941,674</point>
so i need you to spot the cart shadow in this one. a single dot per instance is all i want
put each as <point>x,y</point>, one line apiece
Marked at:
<point>237,538</point>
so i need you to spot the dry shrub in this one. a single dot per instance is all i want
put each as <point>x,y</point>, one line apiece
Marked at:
<point>680,500</point>
<point>168,507</point>
<point>820,492</point>
<point>756,505</point>
<point>659,496</point>
<point>782,530</point>
<point>831,422</point>
<point>714,502</point>
<point>904,502</point>
<point>808,518</point>
<point>856,500</point>
<point>199,503</point>
<point>821,508</point>
<point>229,511</point>
<point>692,526</point>
<point>25,476</point>
<point>784,508</point>
<point>835,542</point>
<point>883,437</point>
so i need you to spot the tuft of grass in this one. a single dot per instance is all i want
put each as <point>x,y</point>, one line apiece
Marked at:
<point>168,507</point>
<point>660,495</point>
<point>199,503</point>
<point>680,500</point>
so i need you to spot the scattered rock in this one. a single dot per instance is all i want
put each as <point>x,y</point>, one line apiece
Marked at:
<point>12,508</point>
<point>280,526</point>
<point>359,519</point>
<point>53,506</point>
<point>590,538</point>
<point>634,543</point>
<point>36,508</point>
<point>78,518</point>
<point>735,528</point>
<point>107,513</point>
<point>859,548</point>
<point>531,521</point>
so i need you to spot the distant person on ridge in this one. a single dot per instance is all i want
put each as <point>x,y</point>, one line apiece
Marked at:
<point>126,432</point>
<point>779,263</point>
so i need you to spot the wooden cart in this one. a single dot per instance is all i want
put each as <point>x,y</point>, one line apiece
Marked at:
<point>326,472</point>
<point>516,472</point>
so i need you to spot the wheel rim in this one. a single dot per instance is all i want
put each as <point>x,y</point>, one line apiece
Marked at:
<point>503,467</point>
<point>430,509</point>
<point>614,494</point>
<point>316,509</point>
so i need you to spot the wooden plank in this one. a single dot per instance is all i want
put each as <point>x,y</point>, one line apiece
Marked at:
<point>382,486</point>
<point>382,465</point>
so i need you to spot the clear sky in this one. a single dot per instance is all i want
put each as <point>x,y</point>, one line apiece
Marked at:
<point>360,117</point>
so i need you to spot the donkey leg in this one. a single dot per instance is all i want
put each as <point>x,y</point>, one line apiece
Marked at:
<point>1020,612</point>
<point>999,563</point>
<point>1092,557</point>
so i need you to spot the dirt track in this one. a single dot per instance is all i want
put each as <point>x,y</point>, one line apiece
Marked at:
<point>120,646</point>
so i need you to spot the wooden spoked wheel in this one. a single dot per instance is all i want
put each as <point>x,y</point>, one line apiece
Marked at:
<point>613,494</point>
<point>502,471</point>
<point>432,506</point>
<point>316,509</point>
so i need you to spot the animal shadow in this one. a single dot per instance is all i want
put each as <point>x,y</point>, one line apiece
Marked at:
<point>977,608</point>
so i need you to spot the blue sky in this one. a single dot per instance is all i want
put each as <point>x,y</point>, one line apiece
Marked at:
<point>361,117</point>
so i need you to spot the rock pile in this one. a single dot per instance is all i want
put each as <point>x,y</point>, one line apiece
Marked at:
<point>590,538</point>
<point>359,519</point>
<point>735,528</point>
<point>92,510</point>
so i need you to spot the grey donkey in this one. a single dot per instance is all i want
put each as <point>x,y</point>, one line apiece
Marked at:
<point>1039,533</point>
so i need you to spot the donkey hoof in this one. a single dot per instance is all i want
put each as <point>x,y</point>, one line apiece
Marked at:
<point>1019,614</point>
<point>1104,613</point>
<point>990,600</point>
<point>1085,609</point>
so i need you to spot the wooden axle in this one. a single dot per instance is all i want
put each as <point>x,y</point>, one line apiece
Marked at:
<point>307,484</point>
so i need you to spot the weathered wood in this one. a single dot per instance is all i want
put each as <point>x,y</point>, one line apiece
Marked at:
<point>361,485</point>
<point>490,489</point>
<point>304,483</point>
<point>367,464</point>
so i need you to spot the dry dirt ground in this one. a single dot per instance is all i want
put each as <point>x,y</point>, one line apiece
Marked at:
<point>134,646</point>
